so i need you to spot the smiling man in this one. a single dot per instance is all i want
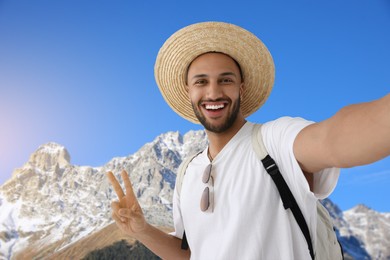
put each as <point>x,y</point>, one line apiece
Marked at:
<point>228,207</point>
<point>214,85</point>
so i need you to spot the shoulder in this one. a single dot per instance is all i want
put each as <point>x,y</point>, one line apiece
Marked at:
<point>284,128</point>
<point>287,122</point>
<point>279,136</point>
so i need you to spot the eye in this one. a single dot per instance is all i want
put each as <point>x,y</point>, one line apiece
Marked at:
<point>226,81</point>
<point>200,82</point>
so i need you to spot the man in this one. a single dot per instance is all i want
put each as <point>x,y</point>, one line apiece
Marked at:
<point>218,74</point>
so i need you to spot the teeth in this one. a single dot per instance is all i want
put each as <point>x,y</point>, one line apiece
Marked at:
<point>214,107</point>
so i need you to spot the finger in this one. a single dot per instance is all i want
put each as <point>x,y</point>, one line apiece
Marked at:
<point>115,184</point>
<point>130,196</point>
<point>115,211</point>
<point>128,213</point>
<point>133,218</point>
<point>115,206</point>
<point>119,220</point>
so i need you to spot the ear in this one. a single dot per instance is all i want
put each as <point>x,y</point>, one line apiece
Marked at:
<point>188,91</point>
<point>242,89</point>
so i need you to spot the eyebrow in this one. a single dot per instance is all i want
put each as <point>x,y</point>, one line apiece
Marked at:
<point>199,76</point>
<point>222,74</point>
<point>229,74</point>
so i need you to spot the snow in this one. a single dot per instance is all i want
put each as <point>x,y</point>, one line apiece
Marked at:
<point>51,148</point>
<point>8,217</point>
<point>9,212</point>
<point>165,201</point>
<point>74,202</point>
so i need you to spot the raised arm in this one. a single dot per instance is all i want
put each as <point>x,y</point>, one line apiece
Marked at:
<point>129,217</point>
<point>356,135</point>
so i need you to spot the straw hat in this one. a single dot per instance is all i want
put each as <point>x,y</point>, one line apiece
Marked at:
<point>185,45</point>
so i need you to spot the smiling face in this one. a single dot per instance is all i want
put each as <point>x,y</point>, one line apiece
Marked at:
<point>214,86</point>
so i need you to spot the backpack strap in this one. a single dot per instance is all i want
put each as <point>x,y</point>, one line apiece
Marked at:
<point>179,182</point>
<point>182,171</point>
<point>286,195</point>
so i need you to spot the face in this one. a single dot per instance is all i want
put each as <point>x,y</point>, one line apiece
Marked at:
<point>214,87</point>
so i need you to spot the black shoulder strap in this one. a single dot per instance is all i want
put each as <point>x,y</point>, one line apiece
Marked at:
<point>184,242</point>
<point>288,199</point>
<point>286,195</point>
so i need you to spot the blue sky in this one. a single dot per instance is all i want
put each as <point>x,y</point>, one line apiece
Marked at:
<point>80,73</point>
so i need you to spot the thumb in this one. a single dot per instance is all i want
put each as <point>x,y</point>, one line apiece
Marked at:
<point>128,213</point>
<point>124,213</point>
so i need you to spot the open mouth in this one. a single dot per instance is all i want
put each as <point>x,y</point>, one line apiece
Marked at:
<point>214,108</point>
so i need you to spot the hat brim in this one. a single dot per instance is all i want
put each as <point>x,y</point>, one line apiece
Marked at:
<point>185,45</point>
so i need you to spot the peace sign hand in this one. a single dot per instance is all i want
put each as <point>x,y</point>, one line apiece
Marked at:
<point>127,212</point>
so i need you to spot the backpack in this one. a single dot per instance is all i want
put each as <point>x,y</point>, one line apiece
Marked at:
<point>328,247</point>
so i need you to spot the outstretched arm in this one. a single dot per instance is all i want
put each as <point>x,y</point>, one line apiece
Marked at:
<point>356,135</point>
<point>129,217</point>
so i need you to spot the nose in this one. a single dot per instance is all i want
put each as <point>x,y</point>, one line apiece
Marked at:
<point>214,90</point>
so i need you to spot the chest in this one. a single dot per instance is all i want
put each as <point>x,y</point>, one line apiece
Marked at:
<point>240,188</point>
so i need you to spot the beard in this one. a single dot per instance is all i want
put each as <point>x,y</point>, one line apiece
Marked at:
<point>232,116</point>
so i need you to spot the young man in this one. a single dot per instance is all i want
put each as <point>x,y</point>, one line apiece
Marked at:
<point>218,74</point>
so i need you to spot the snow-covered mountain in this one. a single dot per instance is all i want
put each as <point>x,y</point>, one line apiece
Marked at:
<point>363,232</point>
<point>369,227</point>
<point>49,201</point>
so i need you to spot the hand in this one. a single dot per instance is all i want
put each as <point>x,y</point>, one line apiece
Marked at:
<point>127,212</point>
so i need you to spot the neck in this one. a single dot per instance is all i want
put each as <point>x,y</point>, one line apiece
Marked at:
<point>218,140</point>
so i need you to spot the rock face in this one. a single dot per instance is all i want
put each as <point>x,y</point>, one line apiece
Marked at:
<point>49,156</point>
<point>50,201</point>
<point>371,229</point>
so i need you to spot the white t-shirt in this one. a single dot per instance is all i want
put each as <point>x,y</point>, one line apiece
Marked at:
<point>249,220</point>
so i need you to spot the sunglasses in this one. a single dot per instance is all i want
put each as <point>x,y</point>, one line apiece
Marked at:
<point>207,199</point>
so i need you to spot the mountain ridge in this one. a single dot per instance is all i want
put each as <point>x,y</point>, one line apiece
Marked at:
<point>75,199</point>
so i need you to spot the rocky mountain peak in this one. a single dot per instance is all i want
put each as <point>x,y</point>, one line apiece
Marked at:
<point>361,208</point>
<point>186,144</point>
<point>170,138</point>
<point>372,227</point>
<point>49,155</point>
<point>50,204</point>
